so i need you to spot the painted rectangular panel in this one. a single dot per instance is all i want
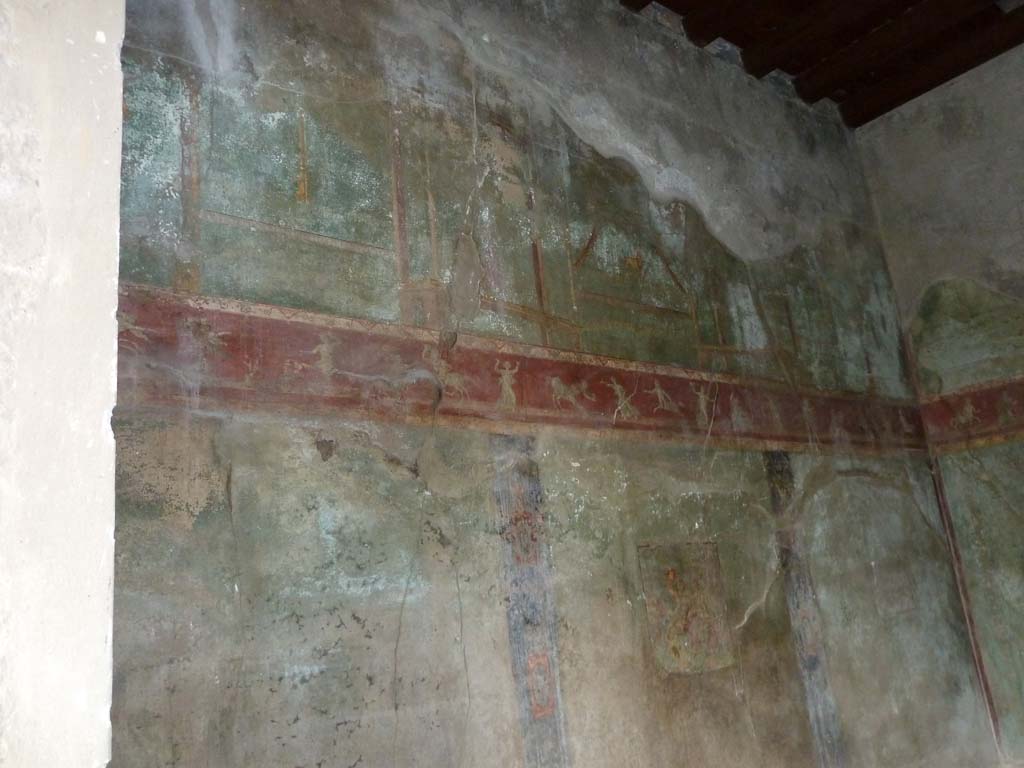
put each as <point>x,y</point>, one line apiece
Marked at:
<point>686,608</point>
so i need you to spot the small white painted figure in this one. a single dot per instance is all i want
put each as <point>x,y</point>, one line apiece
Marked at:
<point>625,407</point>
<point>447,379</point>
<point>965,416</point>
<point>837,428</point>
<point>703,400</point>
<point>569,393</point>
<point>202,333</point>
<point>773,410</point>
<point>507,399</point>
<point>905,425</point>
<point>665,403</point>
<point>1007,409</point>
<point>324,352</point>
<point>133,337</point>
<point>252,367</point>
<point>809,419</point>
<point>738,415</point>
<point>883,423</point>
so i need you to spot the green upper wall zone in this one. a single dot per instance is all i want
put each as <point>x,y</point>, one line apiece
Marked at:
<point>477,210</point>
<point>965,334</point>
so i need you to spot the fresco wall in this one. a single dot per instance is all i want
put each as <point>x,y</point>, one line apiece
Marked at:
<point>479,407</point>
<point>944,172</point>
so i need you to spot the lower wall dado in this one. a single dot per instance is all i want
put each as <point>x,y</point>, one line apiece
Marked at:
<point>305,588</point>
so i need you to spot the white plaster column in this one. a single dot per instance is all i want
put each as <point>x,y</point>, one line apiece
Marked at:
<point>60,147</point>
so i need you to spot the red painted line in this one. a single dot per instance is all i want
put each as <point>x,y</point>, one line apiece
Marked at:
<point>931,411</point>
<point>960,578</point>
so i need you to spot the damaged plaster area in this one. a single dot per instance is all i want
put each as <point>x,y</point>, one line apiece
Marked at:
<point>682,214</point>
<point>691,125</point>
<point>347,574</point>
<point>298,574</point>
<point>945,175</point>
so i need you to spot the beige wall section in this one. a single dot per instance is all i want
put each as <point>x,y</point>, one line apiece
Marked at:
<point>60,115</point>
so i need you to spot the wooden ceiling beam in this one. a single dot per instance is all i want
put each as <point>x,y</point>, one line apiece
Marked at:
<point>815,32</point>
<point>920,24</point>
<point>705,24</point>
<point>757,18</point>
<point>683,7</point>
<point>981,38</point>
<point>818,32</point>
<point>765,55</point>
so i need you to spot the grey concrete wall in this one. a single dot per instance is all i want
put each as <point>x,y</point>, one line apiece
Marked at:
<point>60,114</point>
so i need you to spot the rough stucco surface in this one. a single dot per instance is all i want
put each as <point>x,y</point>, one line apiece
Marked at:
<point>315,590</point>
<point>945,173</point>
<point>276,607</point>
<point>893,627</point>
<point>60,87</point>
<point>985,496</point>
<point>299,607</point>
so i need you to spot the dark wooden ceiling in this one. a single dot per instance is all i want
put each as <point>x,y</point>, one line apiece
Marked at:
<point>869,56</point>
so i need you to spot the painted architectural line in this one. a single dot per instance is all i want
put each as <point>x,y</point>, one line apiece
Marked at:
<point>960,578</point>
<point>213,354</point>
<point>988,414</point>
<point>805,621</point>
<point>531,614</point>
<point>982,415</point>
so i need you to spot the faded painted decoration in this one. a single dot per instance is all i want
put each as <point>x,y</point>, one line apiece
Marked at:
<point>477,212</point>
<point>945,174</point>
<point>685,604</point>
<point>966,334</point>
<point>532,615</point>
<point>445,384</point>
<point>985,500</point>
<point>221,354</point>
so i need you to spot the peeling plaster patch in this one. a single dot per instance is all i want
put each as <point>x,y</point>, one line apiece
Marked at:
<point>210,25</point>
<point>673,169</point>
<point>745,315</point>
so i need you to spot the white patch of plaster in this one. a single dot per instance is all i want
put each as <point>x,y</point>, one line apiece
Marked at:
<point>744,314</point>
<point>58,269</point>
<point>708,156</point>
<point>210,26</point>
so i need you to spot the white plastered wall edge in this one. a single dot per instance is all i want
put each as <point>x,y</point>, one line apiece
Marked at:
<point>60,148</point>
